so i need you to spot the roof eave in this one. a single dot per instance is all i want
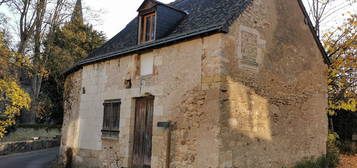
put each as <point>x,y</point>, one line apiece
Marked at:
<point>181,37</point>
<point>311,27</point>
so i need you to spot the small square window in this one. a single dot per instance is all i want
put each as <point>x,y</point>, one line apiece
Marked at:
<point>111,118</point>
<point>146,65</point>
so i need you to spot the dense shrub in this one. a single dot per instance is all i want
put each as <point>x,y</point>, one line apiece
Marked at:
<point>333,152</point>
<point>13,99</point>
<point>330,160</point>
<point>320,162</point>
<point>345,124</point>
<point>347,147</point>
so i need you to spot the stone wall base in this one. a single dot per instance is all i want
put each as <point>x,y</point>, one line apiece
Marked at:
<point>26,146</point>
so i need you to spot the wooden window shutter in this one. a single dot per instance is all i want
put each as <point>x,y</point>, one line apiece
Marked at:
<point>116,116</point>
<point>106,118</point>
<point>111,118</point>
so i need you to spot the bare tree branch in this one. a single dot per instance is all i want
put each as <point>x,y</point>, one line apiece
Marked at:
<point>4,1</point>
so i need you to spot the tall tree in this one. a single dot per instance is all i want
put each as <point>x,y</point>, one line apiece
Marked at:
<point>77,15</point>
<point>320,11</point>
<point>341,46</point>
<point>26,24</point>
<point>38,58</point>
<point>3,1</point>
<point>36,19</point>
<point>70,43</point>
<point>41,25</point>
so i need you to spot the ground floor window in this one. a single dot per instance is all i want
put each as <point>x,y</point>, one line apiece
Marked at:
<point>111,118</point>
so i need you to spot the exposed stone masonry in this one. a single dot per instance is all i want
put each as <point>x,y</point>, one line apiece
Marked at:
<point>225,112</point>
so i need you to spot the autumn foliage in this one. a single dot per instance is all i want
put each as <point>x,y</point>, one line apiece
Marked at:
<point>341,46</point>
<point>12,97</point>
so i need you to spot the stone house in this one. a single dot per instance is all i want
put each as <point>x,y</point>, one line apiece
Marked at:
<point>199,84</point>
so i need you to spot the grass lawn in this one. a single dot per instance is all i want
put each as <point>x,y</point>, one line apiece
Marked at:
<point>22,134</point>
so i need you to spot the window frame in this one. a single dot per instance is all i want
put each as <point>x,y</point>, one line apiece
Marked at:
<point>110,127</point>
<point>143,27</point>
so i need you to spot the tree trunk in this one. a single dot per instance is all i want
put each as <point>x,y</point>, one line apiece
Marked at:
<point>331,126</point>
<point>38,60</point>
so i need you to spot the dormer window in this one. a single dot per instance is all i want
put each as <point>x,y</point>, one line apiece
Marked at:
<point>148,27</point>
<point>156,20</point>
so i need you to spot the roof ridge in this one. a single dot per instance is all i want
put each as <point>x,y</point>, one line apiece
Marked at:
<point>229,21</point>
<point>172,7</point>
<point>176,2</point>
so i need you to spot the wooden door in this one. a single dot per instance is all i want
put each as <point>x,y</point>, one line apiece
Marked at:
<point>144,108</point>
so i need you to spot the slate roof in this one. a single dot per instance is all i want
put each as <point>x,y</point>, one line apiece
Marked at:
<point>203,17</point>
<point>202,14</point>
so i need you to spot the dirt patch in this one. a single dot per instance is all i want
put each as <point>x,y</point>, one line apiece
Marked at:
<point>348,161</point>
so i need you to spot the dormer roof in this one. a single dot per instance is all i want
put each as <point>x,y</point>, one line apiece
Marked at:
<point>147,4</point>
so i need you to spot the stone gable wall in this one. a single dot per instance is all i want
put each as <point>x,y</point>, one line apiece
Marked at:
<point>273,109</point>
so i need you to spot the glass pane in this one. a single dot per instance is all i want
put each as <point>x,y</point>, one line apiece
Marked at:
<point>153,27</point>
<point>147,31</point>
<point>142,33</point>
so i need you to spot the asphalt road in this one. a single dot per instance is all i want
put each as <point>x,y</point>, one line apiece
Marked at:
<point>37,159</point>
